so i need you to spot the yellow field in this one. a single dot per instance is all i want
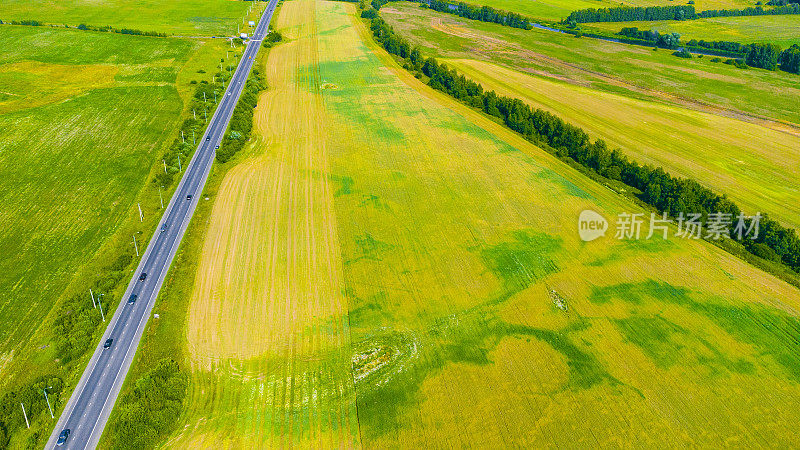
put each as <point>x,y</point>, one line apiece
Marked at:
<point>756,166</point>
<point>387,267</point>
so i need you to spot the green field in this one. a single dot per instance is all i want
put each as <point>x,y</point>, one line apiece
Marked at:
<point>84,117</point>
<point>619,68</point>
<point>781,30</point>
<point>558,9</point>
<point>181,17</point>
<point>384,266</point>
<point>756,166</point>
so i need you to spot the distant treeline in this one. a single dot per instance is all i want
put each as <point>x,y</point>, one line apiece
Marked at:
<point>84,27</point>
<point>677,12</point>
<point>667,40</point>
<point>241,124</point>
<point>763,56</point>
<point>482,13</point>
<point>752,11</point>
<point>630,14</point>
<point>659,189</point>
<point>110,29</point>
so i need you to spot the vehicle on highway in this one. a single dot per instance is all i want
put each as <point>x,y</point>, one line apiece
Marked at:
<point>189,197</point>
<point>208,138</point>
<point>132,299</point>
<point>143,276</point>
<point>163,228</point>
<point>62,438</point>
<point>216,148</point>
<point>108,343</point>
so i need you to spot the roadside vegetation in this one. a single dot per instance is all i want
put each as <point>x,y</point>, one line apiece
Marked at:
<point>88,116</point>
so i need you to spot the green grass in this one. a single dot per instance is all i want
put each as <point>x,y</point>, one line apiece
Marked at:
<point>619,68</point>
<point>85,117</point>
<point>781,30</point>
<point>181,17</point>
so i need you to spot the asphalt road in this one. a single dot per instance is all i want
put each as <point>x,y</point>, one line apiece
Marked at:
<point>90,405</point>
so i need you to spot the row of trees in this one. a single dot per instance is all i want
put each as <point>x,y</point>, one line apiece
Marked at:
<point>677,12</point>
<point>753,11</point>
<point>722,46</point>
<point>482,13</point>
<point>661,190</point>
<point>630,14</point>
<point>84,27</point>
<point>241,124</point>
<point>667,40</point>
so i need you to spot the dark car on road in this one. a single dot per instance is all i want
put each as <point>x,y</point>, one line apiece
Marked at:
<point>208,138</point>
<point>108,343</point>
<point>143,276</point>
<point>163,228</point>
<point>189,197</point>
<point>62,438</point>
<point>132,299</point>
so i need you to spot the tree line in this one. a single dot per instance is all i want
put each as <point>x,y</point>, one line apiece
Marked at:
<point>631,13</point>
<point>666,40</point>
<point>752,11</point>
<point>84,27</point>
<point>669,194</point>
<point>241,124</point>
<point>676,12</point>
<point>481,13</point>
<point>761,55</point>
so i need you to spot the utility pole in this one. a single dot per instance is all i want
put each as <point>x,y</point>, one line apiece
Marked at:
<point>165,165</point>
<point>137,251</point>
<point>101,295</point>
<point>93,302</point>
<point>215,96</point>
<point>24,414</point>
<point>194,114</point>
<point>161,198</point>
<point>141,217</point>
<point>205,114</point>
<point>182,138</point>
<point>48,404</point>
<point>180,169</point>
<point>204,98</point>
<point>193,141</point>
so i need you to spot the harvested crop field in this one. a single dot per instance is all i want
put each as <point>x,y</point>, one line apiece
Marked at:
<point>755,165</point>
<point>387,266</point>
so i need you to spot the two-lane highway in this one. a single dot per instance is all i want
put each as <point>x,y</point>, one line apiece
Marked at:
<point>90,405</point>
